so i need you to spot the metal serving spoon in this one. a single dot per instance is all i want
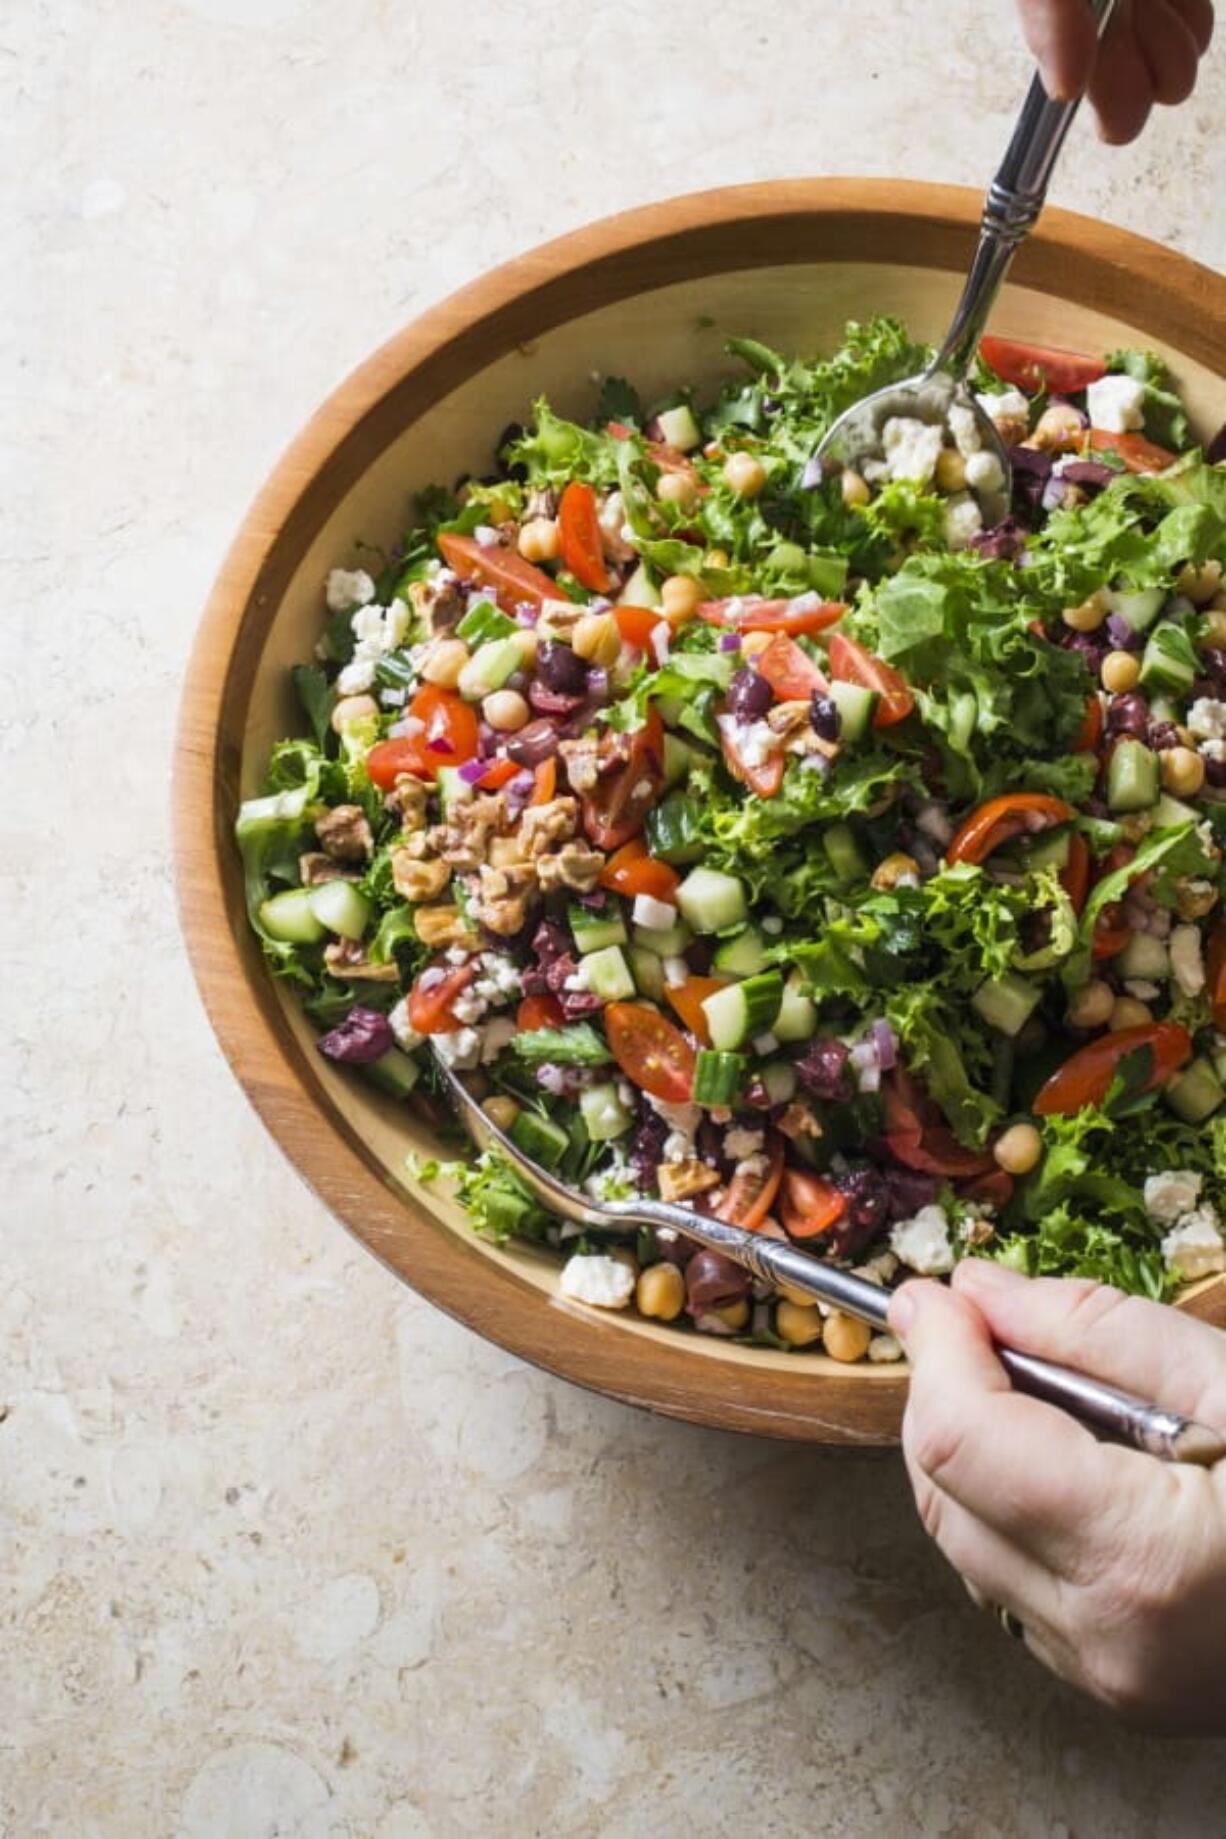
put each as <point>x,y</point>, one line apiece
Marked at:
<point>1015,198</point>
<point>1111,1413</point>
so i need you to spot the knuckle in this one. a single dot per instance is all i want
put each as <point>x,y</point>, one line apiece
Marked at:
<point>934,1436</point>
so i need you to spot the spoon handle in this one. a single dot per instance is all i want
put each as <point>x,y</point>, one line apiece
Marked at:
<point>1015,198</point>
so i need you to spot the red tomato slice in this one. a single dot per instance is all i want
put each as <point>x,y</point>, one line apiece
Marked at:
<point>1000,819</point>
<point>994,1190</point>
<point>430,1010</point>
<point>1110,933</point>
<point>632,871</point>
<point>544,781</point>
<point>579,537</point>
<point>791,672</point>
<point>1090,732</point>
<point>1138,454</point>
<point>764,778</point>
<point>808,1205</point>
<point>749,1197</point>
<point>1085,1078</point>
<point>650,1051</point>
<point>615,810</point>
<point>850,663</point>
<point>687,999</point>
<point>512,579</point>
<point>637,625</point>
<point>1035,367</point>
<point>497,774</point>
<point>917,1138</point>
<point>771,615</point>
<point>539,1012</point>
<point>1075,875</point>
<point>1215,968</point>
<point>448,737</point>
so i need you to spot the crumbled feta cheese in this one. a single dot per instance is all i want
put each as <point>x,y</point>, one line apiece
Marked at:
<point>356,678</point>
<point>884,1347</point>
<point>1143,992</point>
<point>1004,406</point>
<point>739,1142</point>
<point>679,1117</point>
<point>499,979</point>
<point>487,537</point>
<point>348,588</point>
<point>495,1036</point>
<point>875,472</point>
<point>393,699</point>
<point>1170,1194</point>
<point>1206,719</point>
<point>404,1031</point>
<point>677,1147</point>
<point>922,1243</point>
<point>878,1270</point>
<point>764,1044</point>
<point>963,520</point>
<point>965,430</point>
<point>1195,1247</point>
<point>577,981</point>
<point>912,448</point>
<point>602,1283</point>
<point>1116,404</point>
<point>772,924</point>
<point>659,915</point>
<point>1212,750</point>
<point>468,1006</point>
<point>984,473</point>
<point>460,1049</point>
<point>1187,959</point>
<point>753,1166</point>
<point>754,741</point>
<point>676,972</point>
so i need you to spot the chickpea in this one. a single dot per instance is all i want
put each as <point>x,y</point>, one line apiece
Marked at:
<point>501,1111</point>
<point>744,474</point>
<point>1183,771</point>
<point>732,1315</point>
<point>679,488</point>
<point>895,869</point>
<point>597,639</point>
<point>660,1292</point>
<point>679,596</point>
<point>526,640</point>
<point>444,662</point>
<point>1200,585</point>
<point>951,471</point>
<point>1091,1007</point>
<point>798,1326</point>
<point>1058,429</point>
<point>1120,672</point>
<point>716,558</point>
<point>1127,1012</point>
<point>539,540</point>
<point>352,709</point>
<point>1018,1149</point>
<point>505,710</point>
<point>1089,616</point>
<point>1215,624</point>
<point>855,489</point>
<point>846,1338</point>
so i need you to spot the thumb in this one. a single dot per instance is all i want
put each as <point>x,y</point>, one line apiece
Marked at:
<point>1063,37</point>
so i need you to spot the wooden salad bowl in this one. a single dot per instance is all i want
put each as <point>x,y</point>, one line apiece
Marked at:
<point>651,295</point>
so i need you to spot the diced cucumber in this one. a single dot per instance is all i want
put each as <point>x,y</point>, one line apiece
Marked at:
<point>540,1138</point>
<point>856,707</point>
<point>1133,776</point>
<point>1168,812</point>
<point>338,906</point>
<point>779,1078</point>
<point>679,429</point>
<point>489,667</point>
<point>393,1072</point>
<point>1163,709</point>
<point>647,968</point>
<point>1146,957</point>
<point>484,621</point>
<point>797,1017</point>
<point>1196,1093</point>
<point>603,1112</point>
<point>744,955</point>
<point>712,901</point>
<point>846,856</point>
<point>1006,1003</point>
<point>1049,850</point>
<point>593,931</point>
<point>291,917</point>
<point>453,788</point>
<point>674,828</point>
<point>608,974</point>
<point>667,943</point>
<point>640,590</point>
<point>719,1078</point>
<point>679,756</point>
<point>743,1011</point>
<point>1169,664</point>
<point>1138,607</point>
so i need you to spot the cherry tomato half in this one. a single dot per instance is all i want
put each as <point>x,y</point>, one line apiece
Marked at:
<point>1000,819</point>
<point>791,672</point>
<point>808,1205</point>
<point>579,537</point>
<point>650,1051</point>
<point>499,568</point>
<point>751,1194</point>
<point>917,1137</point>
<point>1086,1076</point>
<point>771,615</point>
<point>763,776</point>
<point>850,663</point>
<point>632,871</point>
<point>1138,454</point>
<point>687,999</point>
<point>1075,875</point>
<point>539,1012</point>
<point>430,1009</point>
<point>1215,967</point>
<point>1035,367</point>
<point>1090,732</point>
<point>448,737</point>
<point>638,625</point>
<point>614,811</point>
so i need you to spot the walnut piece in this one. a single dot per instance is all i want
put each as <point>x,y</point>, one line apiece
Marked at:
<point>415,880</point>
<point>501,904</point>
<point>799,1121</point>
<point>678,1180</point>
<point>314,868</point>
<point>542,825</point>
<point>347,958</point>
<point>1194,897</point>
<point>582,760</point>
<point>464,839</point>
<point>441,604</point>
<point>576,865</point>
<point>445,925</point>
<point>408,801</point>
<point>345,833</point>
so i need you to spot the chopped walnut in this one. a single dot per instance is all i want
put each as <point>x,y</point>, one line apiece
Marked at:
<point>582,758</point>
<point>505,852</point>
<point>542,825</point>
<point>678,1180</point>
<point>464,839</point>
<point>347,958</point>
<point>408,801</point>
<point>415,880</point>
<point>799,1121</point>
<point>542,501</point>
<point>576,866</point>
<point>345,833</point>
<point>787,717</point>
<point>558,619</point>
<point>441,604</point>
<point>977,1232</point>
<point>445,925</point>
<point>1194,897</point>
<point>501,904</point>
<point>315,868</point>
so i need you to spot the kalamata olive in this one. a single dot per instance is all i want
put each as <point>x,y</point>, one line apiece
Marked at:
<point>1163,735</point>
<point>713,1281</point>
<point>552,702</point>
<point>822,1070</point>
<point>1128,715</point>
<point>363,1036</point>
<point>1215,770</point>
<point>824,717</point>
<point>749,696</point>
<point>1213,659</point>
<point>676,1249</point>
<point>561,669</point>
<point>537,742</point>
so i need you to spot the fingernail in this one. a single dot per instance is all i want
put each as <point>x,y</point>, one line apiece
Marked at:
<point>902,1310</point>
<point>987,1274</point>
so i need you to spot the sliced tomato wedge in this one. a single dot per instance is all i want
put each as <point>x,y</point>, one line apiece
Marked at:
<point>544,781</point>
<point>614,811</point>
<point>539,1012</point>
<point>497,774</point>
<point>1138,454</point>
<point>750,1196</point>
<point>994,1190</point>
<point>637,625</point>
<point>1111,931</point>
<point>1090,732</point>
<point>1086,1076</point>
<point>1035,367</point>
<point>687,999</point>
<point>430,1009</point>
<point>579,537</point>
<point>503,570</point>
<point>791,672</point>
<point>1001,819</point>
<point>1075,875</point>
<point>850,663</point>
<point>763,776</point>
<point>771,615</point>
<point>651,1053</point>
<point>809,1206</point>
<point>631,870</point>
<point>448,737</point>
<point>917,1137</point>
<point>1215,974</point>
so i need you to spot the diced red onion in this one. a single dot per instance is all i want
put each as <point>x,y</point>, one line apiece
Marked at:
<point>661,637</point>
<point>1121,633</point>
<point>487,536</point>
<point>553,1078</point>
<point>472,770</point>
<point>598,684</point>
<point>731,641</point>
<point>440,744</point>
<point>886,1044</point>
<point>430,978</point>
<point>863,1055</point>
<point>805,603</point>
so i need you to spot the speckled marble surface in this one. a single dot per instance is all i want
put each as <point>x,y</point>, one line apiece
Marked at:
<point>285,1552</point>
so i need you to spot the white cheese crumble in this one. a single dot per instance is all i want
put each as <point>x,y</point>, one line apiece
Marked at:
<point>460,1049</point>
<point>1187,959</point>
<point>676,972</point>
<point>754,742</point>
<point>601,1283</point>
<point>1004,406</point>
<point>659,915</point>
<point>377,630</point>
<point>679,1117</point>
<point>923,1244</point>
<point>765,1044</point>
<point>468,1006</point>
<point>499,979</point>
<point>912,448</point>
<point>963,520</point>
<point>984,472</point>
<point>356,678</point>
<point>495,1036</point>
<point>348,588</point>
<point>739,1143</point>
<point>1116,404</point>
<point>1174,1192</point>
<point>1206,719</point>
<point>1195,1247</point>
<point>404,1031</point>
<point>677,1147</point>
<point>965,430</point>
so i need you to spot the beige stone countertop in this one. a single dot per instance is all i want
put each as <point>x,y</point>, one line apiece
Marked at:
<point>286,1554</point>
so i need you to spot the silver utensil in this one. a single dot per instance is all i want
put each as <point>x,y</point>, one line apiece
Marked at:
<point>1015,198</point>
<point>1112,1413</point>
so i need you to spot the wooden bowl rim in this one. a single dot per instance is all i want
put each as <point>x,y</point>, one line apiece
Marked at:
<point>776,224</point>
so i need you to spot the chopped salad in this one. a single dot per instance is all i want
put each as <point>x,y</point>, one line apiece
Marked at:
<point>813,857</point>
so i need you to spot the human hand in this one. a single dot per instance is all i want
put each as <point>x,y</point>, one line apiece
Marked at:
<point>1150,54</point>
<point>1113,1562</point>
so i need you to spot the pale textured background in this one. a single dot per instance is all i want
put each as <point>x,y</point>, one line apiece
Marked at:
<point>286,1552</point>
